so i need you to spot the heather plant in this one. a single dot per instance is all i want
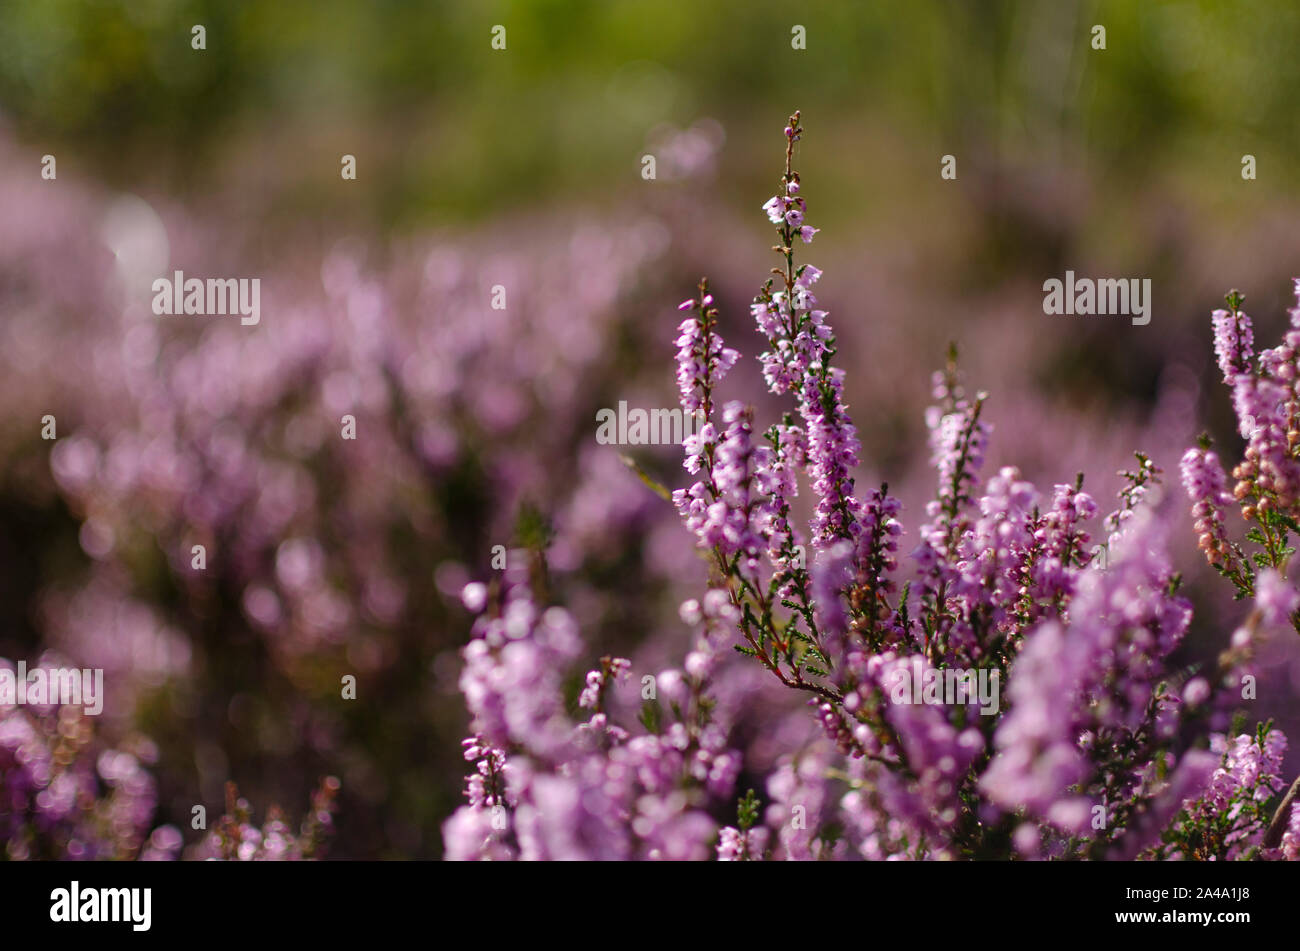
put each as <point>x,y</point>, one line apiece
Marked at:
<point>66,794</point>
<point>1101,746</point>
<point>237,838</point>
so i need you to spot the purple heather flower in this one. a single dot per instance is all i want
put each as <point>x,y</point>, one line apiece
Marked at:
<point>832,455</point>
<point>1270,468</point>
<point>831,573</point>
<point>800,805</point>
<point>1196,692</point>
<point>726,513</point>
<point>1233,343</point>
<point>1192,772</point>
<point>1206,485</point>
<point>474,596</point>
<point>1258,403</point>
<point>702,360</point>
<point>1063,544</point>
<point>597,681</point>
<point>1243,774</point>
<point>996,551</point>
<point>1100,672</point>
<point>808,276</point>
<point>1276,598</point>
<point>736,846</point>
<point>1290,847</point>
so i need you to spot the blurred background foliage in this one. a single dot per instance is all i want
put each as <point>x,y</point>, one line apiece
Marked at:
<point>1066,155</point>
<point>451,130</point>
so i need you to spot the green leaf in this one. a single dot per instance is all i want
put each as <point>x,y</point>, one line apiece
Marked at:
<point>650,716</point>
<point>654,485</point>
<point>747,811</point>
<point>1291,524</point>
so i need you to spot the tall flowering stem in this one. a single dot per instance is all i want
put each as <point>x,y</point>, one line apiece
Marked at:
<point>799,361</point>
<point>739,509</point>
<point>958,440</point>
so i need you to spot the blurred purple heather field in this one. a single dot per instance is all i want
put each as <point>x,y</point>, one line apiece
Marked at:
<point>433,615</point>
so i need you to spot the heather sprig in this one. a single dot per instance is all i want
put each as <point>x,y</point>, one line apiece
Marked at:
<point>1137,483</point>
<point>1266,488</point>
<point>1234,338</point>
<point>547,787</point>
<point>702,360</point>
<point>799,361</point>
<point>743,842</point>
<point>599,681</point>
<point>1206,485</point>
<point>1229,817</point>
<point>237,838</point>
<point>958,441</point>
